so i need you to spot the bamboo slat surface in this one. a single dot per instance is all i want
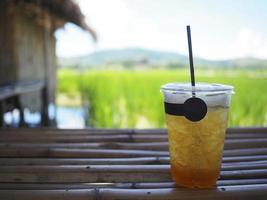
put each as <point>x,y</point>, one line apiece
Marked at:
<point>102,164</point>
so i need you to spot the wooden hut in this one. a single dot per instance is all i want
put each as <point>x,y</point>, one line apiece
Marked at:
<point>27,53</point>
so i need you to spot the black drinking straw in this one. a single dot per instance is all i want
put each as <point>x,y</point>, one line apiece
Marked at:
<point>191,60</point>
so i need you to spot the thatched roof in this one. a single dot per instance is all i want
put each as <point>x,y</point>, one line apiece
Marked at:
<point>66,10</point>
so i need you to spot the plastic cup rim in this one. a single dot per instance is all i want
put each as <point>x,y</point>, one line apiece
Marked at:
<point>221,88</point>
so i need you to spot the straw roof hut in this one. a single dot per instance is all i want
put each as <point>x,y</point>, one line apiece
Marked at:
<point>27,52</point>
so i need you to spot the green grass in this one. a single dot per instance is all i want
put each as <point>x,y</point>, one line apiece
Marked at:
<point>133,99</point>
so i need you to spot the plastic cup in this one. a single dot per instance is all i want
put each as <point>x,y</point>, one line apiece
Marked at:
<point>196,147</point>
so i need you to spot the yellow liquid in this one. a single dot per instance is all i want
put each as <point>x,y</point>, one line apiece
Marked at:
<point>196,148</point>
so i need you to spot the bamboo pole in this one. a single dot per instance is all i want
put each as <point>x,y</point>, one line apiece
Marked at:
<point>225,192</point>
<point>150,185</point>
<point>245,135</point>
<point>106,135</point>
<point>112,168</point>
<point>107,153</point>
<point>116,131</point>
<point>244,165</point>
<point>84,161</point>
<point>86,131</point>
<point>243,174</point>
<point>35,133</point>
<point>87,138</point>
<point>245,158</point>
<point>247,130</point>
<point>258,192</point>
<point>245,152</point>
<point>245,143</point>
<point>74,138</point>
<point>89,194</point>
<point>84,174</point>
<point>117,168</point>
<point>161,146</point>
<point>114,173</point>
<point>102,145</point>
<point>68,186</point>
<point>79,153</point>
<point>241,182</point>
<point>118,161</point>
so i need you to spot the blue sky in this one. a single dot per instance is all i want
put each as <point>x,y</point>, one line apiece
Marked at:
<point>221,29</point>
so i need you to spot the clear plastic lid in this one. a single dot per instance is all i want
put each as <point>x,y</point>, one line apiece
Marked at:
<point>212,93</point>
<point>199,87</point>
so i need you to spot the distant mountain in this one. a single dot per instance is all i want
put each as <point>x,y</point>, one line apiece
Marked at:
<point>247,62</point>
<point>151,57</point>
<point>123,55</point>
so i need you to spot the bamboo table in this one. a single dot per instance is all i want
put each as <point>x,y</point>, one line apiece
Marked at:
<point>99,164</point>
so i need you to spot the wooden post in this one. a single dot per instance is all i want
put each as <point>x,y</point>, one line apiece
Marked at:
<point>21,112</point>
<point>44,111</point>
<point>2,112</point>
<point>46,99</point>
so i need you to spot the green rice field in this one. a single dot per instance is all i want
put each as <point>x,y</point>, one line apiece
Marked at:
<point>132,98</point>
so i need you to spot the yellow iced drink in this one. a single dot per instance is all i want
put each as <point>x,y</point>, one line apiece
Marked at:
<point>196,119</point>
<point>196,147</point>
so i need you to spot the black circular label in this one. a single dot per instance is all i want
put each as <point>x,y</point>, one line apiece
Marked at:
<point>195,109</point>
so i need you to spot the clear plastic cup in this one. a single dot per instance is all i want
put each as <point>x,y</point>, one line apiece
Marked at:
<point>196,147</point>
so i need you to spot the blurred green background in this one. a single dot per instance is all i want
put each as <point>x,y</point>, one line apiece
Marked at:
<point>131,98</point>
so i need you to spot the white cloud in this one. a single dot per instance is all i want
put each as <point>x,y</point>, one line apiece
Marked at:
<point>72,41</point>
<point>245,43</point>
<point>110,19</point>
<point>248,43</point>
<point>119,25</point>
